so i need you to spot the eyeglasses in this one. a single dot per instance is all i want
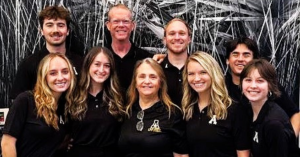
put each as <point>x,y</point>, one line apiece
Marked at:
<point>140,124</point>
<point>116,22</point>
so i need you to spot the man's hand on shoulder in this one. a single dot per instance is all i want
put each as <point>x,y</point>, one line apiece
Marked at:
<point>159,57</point>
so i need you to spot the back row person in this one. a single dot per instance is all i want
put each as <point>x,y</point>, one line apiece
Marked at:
<point>54,24</point>
<point>120,25</point>
<point>241,51</point>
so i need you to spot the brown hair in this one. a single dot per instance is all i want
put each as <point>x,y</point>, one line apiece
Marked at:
<point>54,12</point>
<point>266,71</point>
<point>111,89</point>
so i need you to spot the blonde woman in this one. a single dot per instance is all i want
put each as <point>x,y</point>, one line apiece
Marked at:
<point>35,124</point>
<point>154,126</point>
<point>215,126</point>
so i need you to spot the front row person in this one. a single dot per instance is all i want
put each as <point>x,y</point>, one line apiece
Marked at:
<point>35,124</point>
<point>215,125</point>
<point>154,126</point>
<point>272,132</point>
<point>97,111</point>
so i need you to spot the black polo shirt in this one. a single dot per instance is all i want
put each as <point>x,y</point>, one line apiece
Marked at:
<point>272,133</point>
<point>174,81</point>
<point>148,143</point>
<point>27,71</point>
<point>286,103</point>
<point>223,138</point>
<point>125,65</point>
<point>34,137</point>
<point>97,134</point>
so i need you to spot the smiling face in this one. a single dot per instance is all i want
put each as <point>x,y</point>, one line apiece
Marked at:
<point>55,31</point>
<point>147,81</point>
<point>198,78</point>
<point>99,69</point>
<point>177,37</point>
<point>120,24</point>
<point>58,77</point>
<point>238,58</point>
<point>255,87</point>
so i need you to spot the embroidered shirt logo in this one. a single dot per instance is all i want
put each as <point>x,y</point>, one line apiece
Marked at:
<point>61,121</point>
<point>155,126</point>
<point>255,138</point>
<point>213,120</point>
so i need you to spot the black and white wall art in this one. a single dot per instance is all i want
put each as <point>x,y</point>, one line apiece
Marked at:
<point>274,24</point>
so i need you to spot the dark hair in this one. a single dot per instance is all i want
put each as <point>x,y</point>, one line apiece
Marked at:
<point>251,45</point>
<point>54,12</point>
<point>266,71</point>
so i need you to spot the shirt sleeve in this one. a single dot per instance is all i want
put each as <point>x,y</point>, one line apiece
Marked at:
<point>16,116</point>
<point>241,130</point>
<point>276,139</point>
<point>179,140</point>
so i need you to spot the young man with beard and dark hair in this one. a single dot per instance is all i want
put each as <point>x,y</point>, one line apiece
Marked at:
<point>241,51</point>
<point>177,37</point>
<point>55,27</point>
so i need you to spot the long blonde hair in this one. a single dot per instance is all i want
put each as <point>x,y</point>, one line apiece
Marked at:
<point>43,96</point>
<point>219,97</point>
<point>132,93</point>
<point>111,88</point>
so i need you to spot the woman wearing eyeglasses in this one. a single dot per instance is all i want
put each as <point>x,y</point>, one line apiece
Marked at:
<point>97,111</point>
<point>154,126</point>
<point>215,126</point>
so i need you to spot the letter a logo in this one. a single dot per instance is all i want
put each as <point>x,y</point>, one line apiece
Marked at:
<point>213,120</point>
<point>255,139</point>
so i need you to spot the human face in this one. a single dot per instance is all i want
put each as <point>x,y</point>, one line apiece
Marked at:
<point>177,38</point>
<point>99,69</point>
<point>255,88</point>
<point>238,58</point>
<point>147,81</point>
<point>58,77</point>
<point>55,31</point>
<point>120,24</point>
<point>198,78</point>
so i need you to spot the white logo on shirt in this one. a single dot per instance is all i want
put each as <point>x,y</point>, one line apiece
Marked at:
<point>255,139</point>
<point>213,120</point>
<point>61,121</point>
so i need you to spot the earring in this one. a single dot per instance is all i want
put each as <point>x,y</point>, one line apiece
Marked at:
<point>270,94</point>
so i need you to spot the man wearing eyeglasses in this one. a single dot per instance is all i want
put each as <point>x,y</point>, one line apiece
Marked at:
<point>120,25</point>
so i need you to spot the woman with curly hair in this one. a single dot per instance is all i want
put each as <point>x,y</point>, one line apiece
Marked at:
<point>215,126</point>
<point>97,111</point>
<point>35,124</point>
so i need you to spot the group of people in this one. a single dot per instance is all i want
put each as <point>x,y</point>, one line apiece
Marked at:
<point>124,101</point>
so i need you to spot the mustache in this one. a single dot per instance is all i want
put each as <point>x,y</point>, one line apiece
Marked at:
<point>56,33</point>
